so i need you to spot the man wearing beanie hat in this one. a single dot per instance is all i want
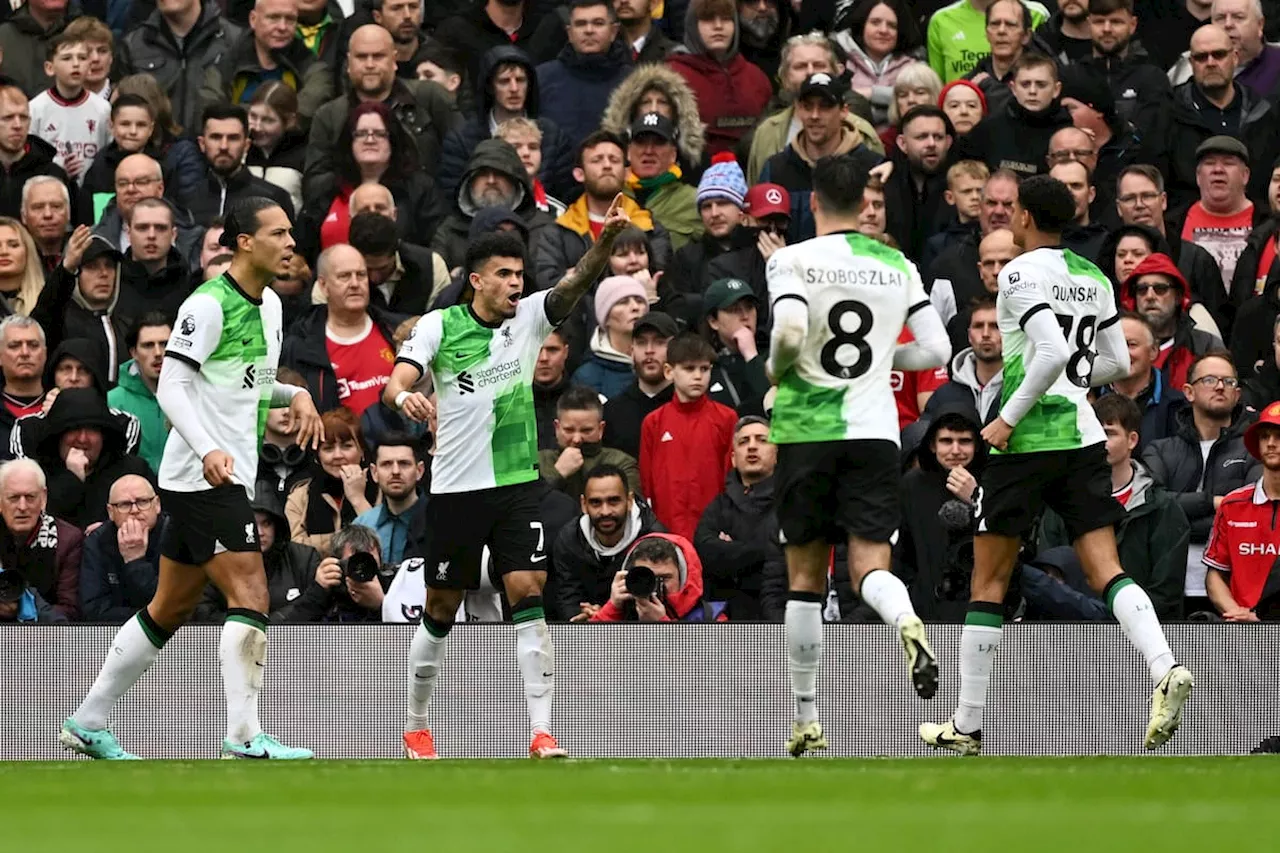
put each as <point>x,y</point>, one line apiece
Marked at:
<point>1241,556</point>
<point>620,301</point>
<point>721,198</point>
<point>656,182</point>
<point>1140,92</point>
<point>763,232</point>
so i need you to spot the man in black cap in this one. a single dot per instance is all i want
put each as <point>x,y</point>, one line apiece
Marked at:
<point>1139,89</point>
<point>821,111</point>
<point>624,413</point>
<point>1221,221</point>
<point>655,180</point>
<point>80,296</point>
<point>1114,141</point>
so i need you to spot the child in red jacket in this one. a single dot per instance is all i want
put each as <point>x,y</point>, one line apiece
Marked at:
<point>685,444</point>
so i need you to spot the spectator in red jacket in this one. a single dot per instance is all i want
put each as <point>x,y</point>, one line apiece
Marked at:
<point>685,444</point>
<point>671,566</point>
<point>732,93</point>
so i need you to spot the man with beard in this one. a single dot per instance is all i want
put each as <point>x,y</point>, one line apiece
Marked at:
<point>765,26</point>
<point>1213,103</point>
<point>956,273</point>
<point>601,169</point>
<point>1140,90</point>
<point>824,132</point>
<point>403,19</point>
<point>272,49</point>
<point>914,203</point>
<point>1083,237</point>
<point>733,534</point>
<point>1241,552</point>
<point>1206,459</point>
<point>625,413</point>
<point>424,109</point>
<point>588,554</point>
<point>495,177</point>
<point>1157,399</point>
<point>654,179</point>
<point>1141,200</point>
<point>580,449</point>
<point>1067,31</point>
<point>224,139</point>
<point>647,41</point>
<point>977,371</point>
<point>1157,291</point>
<point>397,470</point>
<point>139,378</point>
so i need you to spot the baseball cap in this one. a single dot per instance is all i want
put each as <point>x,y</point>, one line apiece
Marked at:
<point>98,247</point>
<point>724,292</point>
<point>1269,416</point>
<point>656,321</point>
<point>823,84</point>
<point>656,124</point>
<point>1222,145</point>
<point>768,200</point>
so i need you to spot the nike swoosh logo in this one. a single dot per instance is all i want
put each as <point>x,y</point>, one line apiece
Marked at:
<point>460,356</point>
<point>533,559</point>
<point>946,740</point>
<point>242,754</point>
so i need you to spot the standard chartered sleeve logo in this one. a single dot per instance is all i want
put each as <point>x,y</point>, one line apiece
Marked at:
<point>498,373</point>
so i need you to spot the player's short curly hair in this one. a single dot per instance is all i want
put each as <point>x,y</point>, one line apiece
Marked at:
<point>1050,203</point>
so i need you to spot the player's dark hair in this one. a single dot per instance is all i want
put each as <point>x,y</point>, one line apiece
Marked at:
<point>244,217</point>
<point>498,244</point>
<point>599,137</point>
<point>838,183</point>
<point>1118,409</point>
<point>374,234</point>
<point>223,112</point>
<point>927,111</point>
<point>1222,354</point>
<point>1106,7</point>
<point>146,321</point>
<point>396,438</point>
<point>131,100</point>
<point>689,348</point>
<point>653,549</point>
<point>604,471</point>
<point>579,398</point>
<point>1026,15</point>
<point>982,302</point>
<point>1050,203</point>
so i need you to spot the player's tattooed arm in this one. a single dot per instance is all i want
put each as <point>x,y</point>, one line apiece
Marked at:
<point>565,295</point>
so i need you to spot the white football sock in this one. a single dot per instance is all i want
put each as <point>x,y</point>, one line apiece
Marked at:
<point>887,596</point>
<point>131,654</point>
<point>242,651</point>
<point>1133,609</point>
<point>426,654</point>
<point>537,660</point>
<point>804,653</point>
<point>978,644</point>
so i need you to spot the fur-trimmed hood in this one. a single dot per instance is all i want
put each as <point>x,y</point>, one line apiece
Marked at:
<point>618,114</point>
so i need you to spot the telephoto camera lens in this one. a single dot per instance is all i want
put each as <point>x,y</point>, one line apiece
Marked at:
<point>360,567</point>
<point>641,582</point>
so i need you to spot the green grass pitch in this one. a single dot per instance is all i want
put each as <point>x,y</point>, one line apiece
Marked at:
<point>989,804</point>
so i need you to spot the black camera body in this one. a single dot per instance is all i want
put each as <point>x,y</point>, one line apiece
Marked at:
<point>12,585</point>
<point>641,582</point>
<point>360,567</point>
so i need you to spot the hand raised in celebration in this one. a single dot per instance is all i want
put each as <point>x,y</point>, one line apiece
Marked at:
<point>76,244</point>
<point>616,219</point>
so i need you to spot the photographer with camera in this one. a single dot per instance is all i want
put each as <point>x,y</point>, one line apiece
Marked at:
<point>354,576</point>
<point>42,550</point>
<point>661,581</point>
<point>934,552</point>
<point>294,595</point>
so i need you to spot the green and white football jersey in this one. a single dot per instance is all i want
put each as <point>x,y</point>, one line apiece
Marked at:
<point>233,341</point>
<point>859,293</point>
<point>1080,297</point>
<point>486,430</point>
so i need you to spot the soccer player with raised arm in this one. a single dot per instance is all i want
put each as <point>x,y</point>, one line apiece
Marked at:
<point>484,490</point>
<point>839,303</point>
<point>217,385</point>
<point>1062,337</point>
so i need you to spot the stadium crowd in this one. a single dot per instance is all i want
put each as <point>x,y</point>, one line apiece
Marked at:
<point>397,132</point>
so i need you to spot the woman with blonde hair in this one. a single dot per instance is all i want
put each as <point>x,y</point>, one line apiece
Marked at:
<point>915,85</point>
<point>21,276</point>
<point>180,158</point>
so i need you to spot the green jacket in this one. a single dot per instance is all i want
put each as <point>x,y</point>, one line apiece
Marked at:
<point>576,482</point>
<point>1152,541</point>
<point>774,134</point>
<point>675,207</point>
<point>133,396</point>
